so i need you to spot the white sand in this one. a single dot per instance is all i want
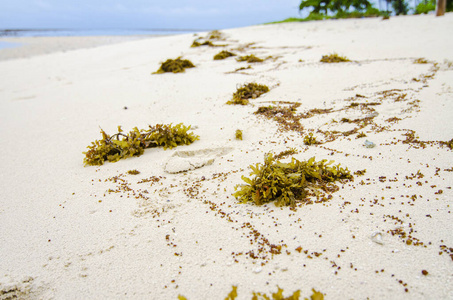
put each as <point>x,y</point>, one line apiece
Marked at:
<point>33,46</point>
<point>61,238</point>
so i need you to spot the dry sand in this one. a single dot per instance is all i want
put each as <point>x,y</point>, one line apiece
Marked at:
<point>63,235</point>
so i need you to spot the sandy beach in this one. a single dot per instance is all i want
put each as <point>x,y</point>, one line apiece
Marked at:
<point>69,231</point>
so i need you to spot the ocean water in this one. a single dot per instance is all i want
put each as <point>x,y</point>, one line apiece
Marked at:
<point>91,32</point>
<point>5,33</point>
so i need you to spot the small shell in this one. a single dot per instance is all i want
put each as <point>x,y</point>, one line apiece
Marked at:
<point>369,144</point>
<point>377,238</point>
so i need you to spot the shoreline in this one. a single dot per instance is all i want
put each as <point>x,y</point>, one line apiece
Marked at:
<point>26,47</point>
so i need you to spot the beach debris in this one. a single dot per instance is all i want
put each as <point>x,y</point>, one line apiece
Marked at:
<point>207,41</point>
<point>309,139</point>
<point>183,161</point>
<point>449,144</point>
<point>275,296</point>
<point>285,116</point>
<point>376,237</point>
<point>120,145</point>
<point>177,65</point>
<point>333,58</point>
<point>199,42</point>
<point>239,134</point>
<point>248,91</point>
<point>250,59</point>
<point>424,272</point>
<point>369,144</point>
<point>289,183</point>
<point>421,60</point>
<point>223,54</point>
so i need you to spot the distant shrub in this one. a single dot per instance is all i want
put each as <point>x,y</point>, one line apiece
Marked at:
<point>425,7</point>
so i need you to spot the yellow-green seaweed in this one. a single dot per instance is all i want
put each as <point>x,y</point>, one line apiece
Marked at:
<point>239,134</point>
<point>333,58</point>
<point>309,139</point>
<point>286,183</point>
<point>250,59</point>
<point>248,91</point>
<point>177,65</point>
<point>275,296</point>
<point>121,146</point>
<point>223,54</point>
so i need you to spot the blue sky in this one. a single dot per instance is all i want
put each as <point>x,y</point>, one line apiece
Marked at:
<point>143,14</point>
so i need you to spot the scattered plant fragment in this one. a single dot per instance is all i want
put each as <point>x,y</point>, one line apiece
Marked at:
<point>133,172</point>
<point>333,58</point>
<point>309,139</point>
<point>286,183</point>
<point>421,60</point>
<point>198,43</point>
<point>250,59</point>
<point>177,65</point>
<point>120,145</point>
<point>449,144</point>
<point>285,116</point>
<point>207,41</point>
<point>223,54</point>
<point>239,134</point>
<point>275,296</point>
<point>248,91</point>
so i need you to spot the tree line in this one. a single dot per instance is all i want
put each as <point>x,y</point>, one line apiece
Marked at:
<point>320,9</point>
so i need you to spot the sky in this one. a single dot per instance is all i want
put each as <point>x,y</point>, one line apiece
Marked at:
<point>142,14</point>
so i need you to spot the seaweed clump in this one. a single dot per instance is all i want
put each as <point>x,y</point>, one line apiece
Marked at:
<point>121,146</point>
<point>207,41</point>
<point>286,183</point>
<point>250,59</point>
<point>175,66</point>
<point>248,91</point>
<point>420,60</point>
<point>239,134</point>
<point>223,54</point>
<point>333,58</point>
<point>275,296</point>
<point>198,43</point>
<point>309,139</point>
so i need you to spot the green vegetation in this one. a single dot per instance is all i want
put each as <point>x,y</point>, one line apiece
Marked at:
<point>333,58</point>
<point>425,6</point>
<point>133,172</point>
<point>248,91</point>
<point>207,41</point>
<point>421,60</point>
<point>275,296</point>
<point>223,54</point>
<point>286,183</point>
<point>239,134</point>
<point>121,146</point>
<point>198,43</point>
<point>250,59</point>
<point>174,65</point>
<point>309,139</point>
